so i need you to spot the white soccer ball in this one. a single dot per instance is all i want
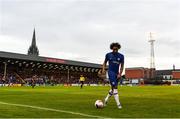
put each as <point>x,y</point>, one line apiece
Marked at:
<point>99,104</point>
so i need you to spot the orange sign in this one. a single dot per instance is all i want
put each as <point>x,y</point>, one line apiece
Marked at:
<point>55,60</point>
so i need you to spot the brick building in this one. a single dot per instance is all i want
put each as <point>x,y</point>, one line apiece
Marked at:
<point>176,75</point>
<point>139,73</point>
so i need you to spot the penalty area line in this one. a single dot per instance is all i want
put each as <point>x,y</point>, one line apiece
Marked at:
<point>50,109</point>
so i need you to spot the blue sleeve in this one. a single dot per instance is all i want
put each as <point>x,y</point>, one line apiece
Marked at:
<point>106,58</point>
<point>122,59</point>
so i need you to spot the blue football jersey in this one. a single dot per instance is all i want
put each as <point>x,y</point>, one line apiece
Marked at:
<point>114,60</point>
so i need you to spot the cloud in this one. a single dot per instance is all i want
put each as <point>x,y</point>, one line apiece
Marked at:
<point>12,44</point>
<point>83,30</point>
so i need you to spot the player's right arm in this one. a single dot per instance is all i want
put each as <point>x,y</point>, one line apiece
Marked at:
<point>105,64</point>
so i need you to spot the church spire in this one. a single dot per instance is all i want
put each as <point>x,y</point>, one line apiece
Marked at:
<point>33,49</point>
<point>34,38</point>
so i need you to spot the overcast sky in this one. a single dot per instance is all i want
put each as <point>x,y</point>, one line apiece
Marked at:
<point>83,29</point>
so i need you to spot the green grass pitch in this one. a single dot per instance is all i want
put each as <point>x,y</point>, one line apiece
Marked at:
<point>137,101</point>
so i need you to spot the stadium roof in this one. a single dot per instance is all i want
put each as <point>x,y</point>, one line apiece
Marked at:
<point>16,57</point>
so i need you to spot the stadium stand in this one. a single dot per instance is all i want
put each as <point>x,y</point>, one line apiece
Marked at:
<point>20,68</point>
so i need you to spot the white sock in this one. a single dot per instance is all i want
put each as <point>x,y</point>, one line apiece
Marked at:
<point>109,95</point>
<point>116,96</point>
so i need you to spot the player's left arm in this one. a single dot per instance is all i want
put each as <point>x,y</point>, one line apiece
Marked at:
<point>121,68</point>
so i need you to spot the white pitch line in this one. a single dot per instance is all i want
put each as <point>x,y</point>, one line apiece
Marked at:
<point>50,109</point>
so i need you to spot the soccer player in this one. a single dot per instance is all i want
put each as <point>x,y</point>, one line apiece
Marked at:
<point>82,79</point>
<point>115,69</point>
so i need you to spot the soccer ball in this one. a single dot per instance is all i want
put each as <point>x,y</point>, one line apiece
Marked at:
<point>99,104</point>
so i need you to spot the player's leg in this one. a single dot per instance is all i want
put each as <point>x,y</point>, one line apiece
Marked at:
<point>81,84</point>
<point>115,93</point>
<point>33,85</point>
<point>116,97</point>
<point>110,93</point>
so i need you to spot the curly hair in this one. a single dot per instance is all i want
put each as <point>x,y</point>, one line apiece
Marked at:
<point>115,45</point>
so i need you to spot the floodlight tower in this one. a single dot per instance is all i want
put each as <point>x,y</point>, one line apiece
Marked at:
<point>152,62</point>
